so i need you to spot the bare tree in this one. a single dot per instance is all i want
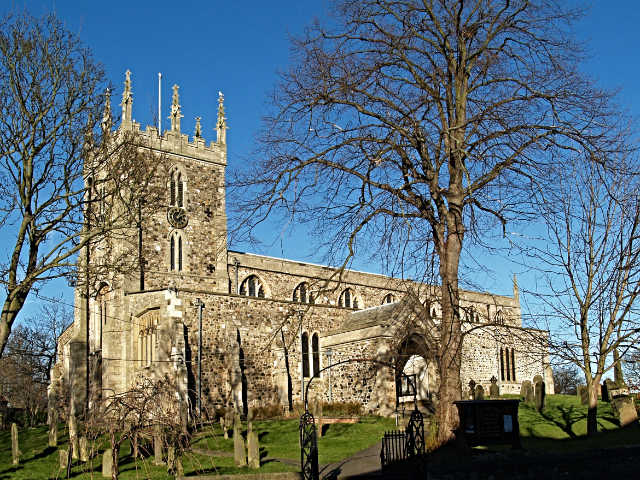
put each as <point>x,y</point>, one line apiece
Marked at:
<point>421,124</point>
<point>590,268</point>
<point>29,356</point>
<point>59,159</point>
<point>565,379</point>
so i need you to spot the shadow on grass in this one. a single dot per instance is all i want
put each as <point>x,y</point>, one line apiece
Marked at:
<point>570,416</point>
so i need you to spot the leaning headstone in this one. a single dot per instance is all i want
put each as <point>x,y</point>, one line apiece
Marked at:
<point>107,463</point>
<point>479,393</point>
<point>224,428</point>
<point>64,458</point>
<point>494,389</point>
<point>83,449</point>
<point>472,390</point>
<point>157,450</point>
<point>254,450</point>
<point>541,397</point>
<point>15,451</point>
<point>625,410</point>
<point>239,454</point>
<point>583,393</point>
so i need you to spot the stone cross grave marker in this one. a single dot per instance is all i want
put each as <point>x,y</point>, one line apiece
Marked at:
<point>472,390</point>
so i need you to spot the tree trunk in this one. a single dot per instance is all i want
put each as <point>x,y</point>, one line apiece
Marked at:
<point>592,413</point>
<point>115,455</point>
<point>451,333</point>
<point>10,309</point>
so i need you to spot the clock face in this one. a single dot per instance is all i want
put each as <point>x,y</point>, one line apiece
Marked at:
<point>177,217</point>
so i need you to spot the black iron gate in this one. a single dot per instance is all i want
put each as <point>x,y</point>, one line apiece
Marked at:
<point>403,453</point>
<point>308,447</point>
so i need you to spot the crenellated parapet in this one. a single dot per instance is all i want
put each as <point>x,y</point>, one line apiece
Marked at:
<point>173,141</point>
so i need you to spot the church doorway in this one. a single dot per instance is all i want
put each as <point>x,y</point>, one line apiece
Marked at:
<point>416,375</point>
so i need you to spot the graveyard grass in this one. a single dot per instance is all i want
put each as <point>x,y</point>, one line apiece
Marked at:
<point>561,428</point>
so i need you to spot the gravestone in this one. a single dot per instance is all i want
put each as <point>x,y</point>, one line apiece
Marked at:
<point>83,449</point>
<point>15,451</point>
<point>605,392</point>
<point>536,379</point>
<point>53,425</point>
<point>522,387</point>
<point>249,420</point>
<point>541,397</point>
<point>583,393</point>
<point>157,450</point>
<point>254,450</point>
<point>171,461</point>
<point>527,391</point>
<point>494,389</point>
<point>239,454</point>
<point>472,390</point>
<point>107,463</point>
<point>224,428</point>
<point>73,436</point>
<point>64,458</point>
<point>479,393</point>
<point>625,410</point>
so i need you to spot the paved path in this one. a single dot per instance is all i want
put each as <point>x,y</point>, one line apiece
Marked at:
<point>364,464</point>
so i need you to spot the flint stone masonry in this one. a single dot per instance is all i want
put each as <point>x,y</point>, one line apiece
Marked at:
<point>251,353</point>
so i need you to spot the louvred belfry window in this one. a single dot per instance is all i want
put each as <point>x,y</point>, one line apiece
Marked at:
<point>252,287</point>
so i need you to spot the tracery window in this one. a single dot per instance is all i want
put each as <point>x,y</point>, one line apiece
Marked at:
<point>302,293</point>
<point>500,317</point>
<point>389,298</point>
<point>148,337</point>
<point>177,181</point>
<point>348,299</point>
<point>252,287</point>
<point>176,252</point>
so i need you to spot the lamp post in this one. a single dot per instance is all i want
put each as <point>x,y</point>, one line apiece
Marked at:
<point>300,314</point>
<point>200,305</point>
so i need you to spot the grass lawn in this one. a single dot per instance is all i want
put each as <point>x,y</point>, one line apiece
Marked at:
<point>561,428</point>
<point>278,438</point>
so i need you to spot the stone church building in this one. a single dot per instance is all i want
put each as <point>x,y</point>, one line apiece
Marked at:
<point>269,325</point>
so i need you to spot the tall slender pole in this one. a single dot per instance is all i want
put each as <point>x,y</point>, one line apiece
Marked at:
<point>301,361</point>
<point>199,304</point>
<point>329,357</point>
<point>159,104</point>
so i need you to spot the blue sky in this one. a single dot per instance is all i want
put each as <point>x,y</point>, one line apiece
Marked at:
<point>237,46</point>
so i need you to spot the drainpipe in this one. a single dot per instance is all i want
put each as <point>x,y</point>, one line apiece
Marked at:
<point>199,304</point>
<point>301,360</point>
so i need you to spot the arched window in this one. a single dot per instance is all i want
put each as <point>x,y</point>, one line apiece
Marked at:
<point>176,252</point>
<point>252,287</point>
<point>315,350</point>
<point>177,181</point>
<point>348,299</point>
<point>302,293</point>
<point>389,298</point>
<point>305,355</point>
<point>500,317</point>
<point>147,337</point>
<point>507,364</point>
<point>100,318</point>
